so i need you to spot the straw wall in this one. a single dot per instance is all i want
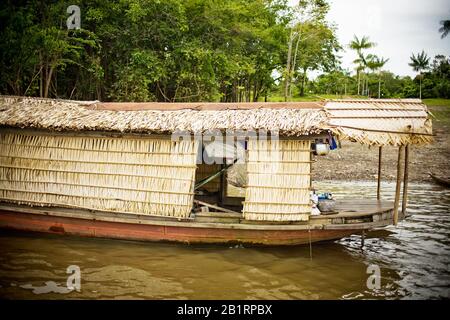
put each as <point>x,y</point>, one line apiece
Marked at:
<point>278,181</point>
<point>133,175</point>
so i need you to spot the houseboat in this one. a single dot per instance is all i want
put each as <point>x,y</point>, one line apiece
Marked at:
<point>137,171</point>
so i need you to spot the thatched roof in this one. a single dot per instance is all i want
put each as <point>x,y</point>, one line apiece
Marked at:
<point>63,115</point>
<point>373,122</point>
<point>380,122</point>
<point>200,106</point>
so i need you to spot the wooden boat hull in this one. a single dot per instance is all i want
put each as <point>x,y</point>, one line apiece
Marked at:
<point>214,227</point>
<point>148,232</point>
<point>440,181</point>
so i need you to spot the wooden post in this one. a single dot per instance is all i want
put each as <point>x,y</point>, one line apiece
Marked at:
<point>380,151</point>
<point>405,182</point>
<point>310,168</point>
<point>398,184</point>
<point>363,237</point>
<point>223,185</point>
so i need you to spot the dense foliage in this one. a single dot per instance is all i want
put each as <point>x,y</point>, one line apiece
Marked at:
<point>186,50</point>
<point>435,83</point>
<point>172,50</point>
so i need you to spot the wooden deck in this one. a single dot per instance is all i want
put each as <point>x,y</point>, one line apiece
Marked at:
<point>347,211</point>
<point>360,207</point>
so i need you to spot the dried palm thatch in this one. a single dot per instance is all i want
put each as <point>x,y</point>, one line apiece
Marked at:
<point>165,106</point>
<point>380,122</point>
<point>278,181</point>
<point>132,175</point>
<point>371,122</point>
<point>58,115</point>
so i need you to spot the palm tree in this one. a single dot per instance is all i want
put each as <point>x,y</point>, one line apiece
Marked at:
<point>376,64</point>
<point>445,29</point>
<point>359,45</point>
<point>368,63</point>
<point>365,62</point>
<point>419,63</point>
<point>359,68</point>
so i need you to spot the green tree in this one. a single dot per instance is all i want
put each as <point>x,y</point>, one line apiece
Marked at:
<point>36,45</point>
<point>359,45</point>
<point>312,43</point>
<point>445,29</point>
<point>375,64</point>
<point>334,82</point>
<point>317,51</point>
<point>439,78</point>
<point>420,63</point>
<point>173,50</point>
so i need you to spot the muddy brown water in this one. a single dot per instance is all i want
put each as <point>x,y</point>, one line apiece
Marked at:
<point>414,260</point>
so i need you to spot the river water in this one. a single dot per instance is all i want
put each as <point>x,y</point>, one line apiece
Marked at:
<point>413,258</point>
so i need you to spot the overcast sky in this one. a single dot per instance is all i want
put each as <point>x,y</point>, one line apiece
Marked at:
<point>399,27</point>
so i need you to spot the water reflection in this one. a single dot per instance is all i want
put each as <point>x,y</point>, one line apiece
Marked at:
<point>413,257</point>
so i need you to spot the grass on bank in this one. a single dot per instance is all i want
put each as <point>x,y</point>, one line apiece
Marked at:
<point>278,98</point>
<point>440,110</point>
<point>437,102</point>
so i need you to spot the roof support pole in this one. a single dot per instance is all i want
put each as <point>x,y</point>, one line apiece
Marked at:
<point>405,182</point>
<point>223,186</point>
<point>380,152</point>
<point>310,169</point>
<point>398,184</point>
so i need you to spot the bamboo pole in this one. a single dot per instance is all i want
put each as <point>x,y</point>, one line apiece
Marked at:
<point>310,169</point>
<point>223,185</point>
<point>380,152</point>
<point>398,184</point>
<point>405,182</point>
<point>209,205</point>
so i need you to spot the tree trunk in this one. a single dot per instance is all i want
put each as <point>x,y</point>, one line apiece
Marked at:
<point>379,85</point>
<point>249,90</point>
<point>363,84</point>
<point>99,92</point>
<point>48,81</point>
<point>302,88</point>
<point>288,67</point>
<point>293,65</point>
<point>258,90</point>
<point>367,86</point>
<point>420,85</point>
<point>41,76</point>
<point>359,79</point>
